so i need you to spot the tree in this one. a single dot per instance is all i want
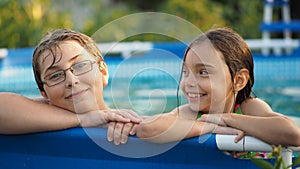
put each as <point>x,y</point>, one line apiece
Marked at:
<point>23,23</point>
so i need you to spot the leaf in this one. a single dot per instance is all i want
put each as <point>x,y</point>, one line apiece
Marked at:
<point>296,161</point>
<point>261,163</point>
<point>278,163</point>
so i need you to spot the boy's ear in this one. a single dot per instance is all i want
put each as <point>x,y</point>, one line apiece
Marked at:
<point>104,70</point>
<point>240,80</point>
<point>43,93</point>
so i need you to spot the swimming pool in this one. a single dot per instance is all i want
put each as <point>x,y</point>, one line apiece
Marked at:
<point>146,82</point>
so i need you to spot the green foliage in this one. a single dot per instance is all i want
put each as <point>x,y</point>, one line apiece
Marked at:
<point>279,162</point>
<point>244,16</point>
<point>205,14</point>
<point>23,23</point>
<point>102,14</point>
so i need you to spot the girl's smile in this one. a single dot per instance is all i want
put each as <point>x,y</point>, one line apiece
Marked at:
<point>195,97</point>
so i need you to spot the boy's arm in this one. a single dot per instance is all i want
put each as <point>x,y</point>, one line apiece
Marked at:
<point>20,115</point>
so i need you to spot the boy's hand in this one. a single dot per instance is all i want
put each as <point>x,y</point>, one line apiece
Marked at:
<point>119,132</point>
<point>103,117</point>
<point>128,114</point>
<point>99,118</point>
<point>121,123</point>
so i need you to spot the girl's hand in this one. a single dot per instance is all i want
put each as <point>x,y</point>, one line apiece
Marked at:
<point>214,118</point>
<point>222,127</point>
<point>231,131</point>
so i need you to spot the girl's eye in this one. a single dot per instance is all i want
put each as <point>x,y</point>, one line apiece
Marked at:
<point>203,72</point>
<point>184,72</point>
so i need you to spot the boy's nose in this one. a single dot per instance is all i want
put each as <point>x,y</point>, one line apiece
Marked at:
<point>71,79</point>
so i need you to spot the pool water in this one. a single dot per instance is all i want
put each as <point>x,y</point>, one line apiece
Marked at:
<point>148,85</point>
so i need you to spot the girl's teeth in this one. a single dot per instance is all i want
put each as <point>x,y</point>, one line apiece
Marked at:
<point>193,95</point>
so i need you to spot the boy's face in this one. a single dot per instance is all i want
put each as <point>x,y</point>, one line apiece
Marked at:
<point>76,93</point>
<point>206,81</point>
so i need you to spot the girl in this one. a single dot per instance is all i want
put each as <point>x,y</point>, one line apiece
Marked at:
<point>71,74</point>
<point>217,80</point>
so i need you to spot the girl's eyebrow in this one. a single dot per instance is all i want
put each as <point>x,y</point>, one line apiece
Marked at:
<point>203,65</point>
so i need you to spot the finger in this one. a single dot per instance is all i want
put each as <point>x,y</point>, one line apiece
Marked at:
<point>132,113</point>
<point>125,132</point>
<point>213,118</point>
<point>110,131</point>
<point>239,137</point>
<point>133,129</point>
<point>116,117</point>
<point>135,119</point>
<point>129,114</point>
<point>118,132</point>
<point>208,118</point>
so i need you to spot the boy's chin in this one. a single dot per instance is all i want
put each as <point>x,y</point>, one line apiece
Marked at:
<point>85,107</point>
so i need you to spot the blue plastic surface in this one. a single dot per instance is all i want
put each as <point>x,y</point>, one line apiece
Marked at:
<point>74,148</point>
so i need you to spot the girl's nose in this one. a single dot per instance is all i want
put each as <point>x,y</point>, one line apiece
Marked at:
<point>71,79</point>
<point>191,81</point>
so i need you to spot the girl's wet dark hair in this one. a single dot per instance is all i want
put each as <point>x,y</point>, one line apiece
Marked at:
<point>236,53</point>
<point>50,43</point>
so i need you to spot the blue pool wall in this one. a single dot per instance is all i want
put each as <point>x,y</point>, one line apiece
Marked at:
<point>74,148</point>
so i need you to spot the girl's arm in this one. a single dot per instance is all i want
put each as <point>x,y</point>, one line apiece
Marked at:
<point>164,127</point>
<point>261,122</point>
<point>172,126</point>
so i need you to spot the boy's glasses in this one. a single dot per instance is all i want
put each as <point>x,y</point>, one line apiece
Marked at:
<point>77,69</point>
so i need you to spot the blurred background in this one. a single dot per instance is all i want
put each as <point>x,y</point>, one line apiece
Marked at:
<point>24,22</point>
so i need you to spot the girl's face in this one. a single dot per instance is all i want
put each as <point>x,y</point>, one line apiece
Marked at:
<point>81,93</point>
<point>206,81</point>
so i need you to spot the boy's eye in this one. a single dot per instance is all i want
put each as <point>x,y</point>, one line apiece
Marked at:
<point>56,75</point>
<point>80,65</point>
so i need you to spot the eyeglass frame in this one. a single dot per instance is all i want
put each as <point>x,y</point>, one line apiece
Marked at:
<point>70,68</point>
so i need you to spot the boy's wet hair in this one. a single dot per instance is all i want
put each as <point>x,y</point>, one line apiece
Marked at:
<point>236,53</point>
<point>50,43</point>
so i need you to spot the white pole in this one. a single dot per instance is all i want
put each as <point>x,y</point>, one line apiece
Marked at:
<point>287,156</point>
